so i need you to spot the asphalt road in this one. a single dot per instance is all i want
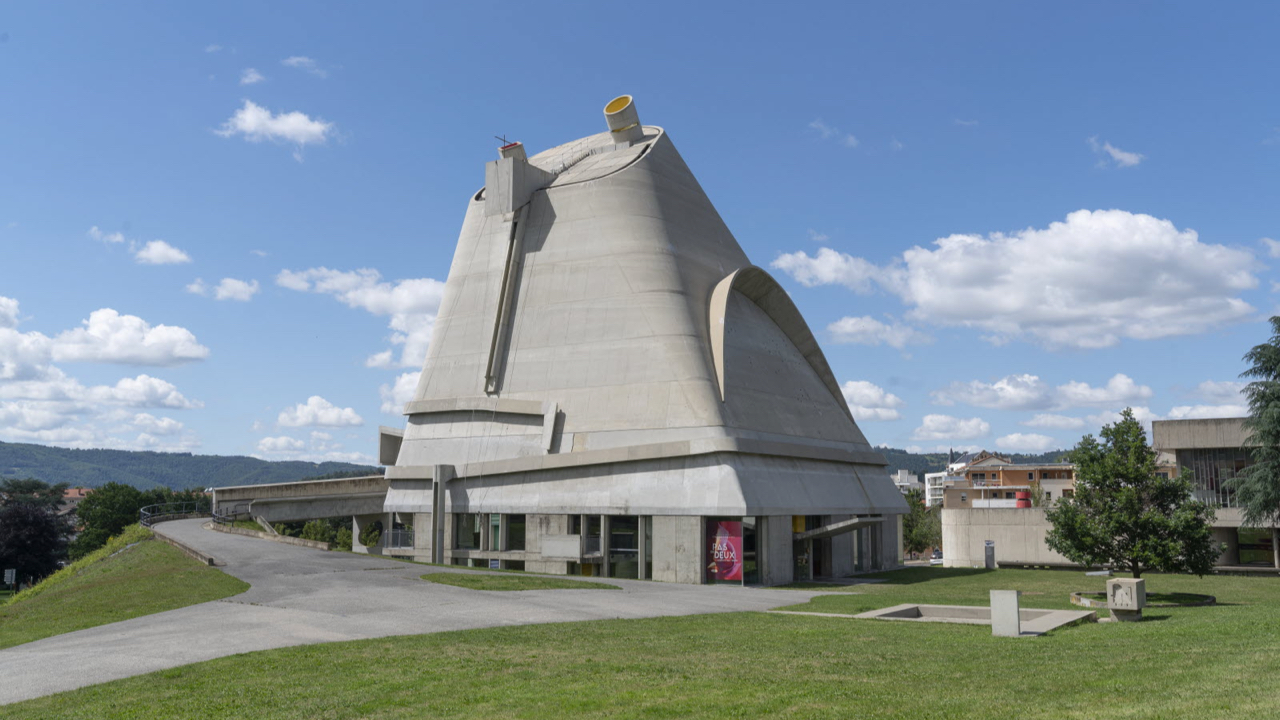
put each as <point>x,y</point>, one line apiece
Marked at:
<point>301,596</point>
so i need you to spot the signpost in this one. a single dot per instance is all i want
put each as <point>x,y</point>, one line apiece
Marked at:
<point>10,576</point>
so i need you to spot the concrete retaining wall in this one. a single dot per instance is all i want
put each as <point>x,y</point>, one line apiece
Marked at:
<point>186,549</point>
<point>1017,533</point>
<point>259,534</point>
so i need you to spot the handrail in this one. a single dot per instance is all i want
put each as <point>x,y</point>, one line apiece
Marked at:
<point>397,539</point>
<point>153,514</point>
<point>228,515</point>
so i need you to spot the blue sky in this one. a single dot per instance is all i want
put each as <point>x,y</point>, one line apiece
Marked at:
<point>223,227</point>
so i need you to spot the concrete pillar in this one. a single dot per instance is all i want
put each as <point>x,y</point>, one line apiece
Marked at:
<point>1005,620</point>
<point>359,523</point>
<point>643,547</point>
<point>604,546</point>
<point>1275,547</point>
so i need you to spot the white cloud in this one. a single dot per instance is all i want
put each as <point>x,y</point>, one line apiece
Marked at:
<point>318,412</point>
<point>259,253</point>
<point>1029,392</point>
<point>144,391</point>
<point>828,267</point>
<point>1088,282</point>
<point>1120,157</point>
<point>301,62</point>
<point>1141,413</point>
<point>1189,412</point>
<point>395,396</point>
<point>108,336</point>
<point>868,401</point>
<point>411,305</point>
<point>818,237</point>
<point>97,234</point>
<point>159,252</point>
<point>257,123</point>
<point>1225,392</point>
<point>895,144</point>
<point>1055,422</point>
<point>232,289</point>
<point>1271,246</point>
<point>156,425</point>
<point>251,76</point>
<point>280,444</point>
<point>866,330</point>
<point>945,427</point>
<point>1027,443</point>
<point>828,132</point>
<point>1120,390</point>
<point>212,48</point>
<point>8,312</point>
<point>197,287</point>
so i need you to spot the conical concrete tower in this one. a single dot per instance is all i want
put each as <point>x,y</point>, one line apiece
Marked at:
<point>608,369</point>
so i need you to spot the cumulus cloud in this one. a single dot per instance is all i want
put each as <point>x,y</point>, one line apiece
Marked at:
<point>818,237</point>
<point>101,236</point>
<point>829,267</point>
<point>1055,422</point>
<point>866,330</point>
<point>153,425</point>
<point>144,391</point>
<point>232,289</point>
<point>1114,155</point>
<point>302,62</point>
<point>1271,246</point>
<point>1141,413</point>
<point>1087,282</point>
<point>159,252</point>
<point>1029,392</point>
<point>1224,392</point>
<point>411,306</point>
<point>868,401</point>
<point>256,123</point>
<point>250,76</point>
<point>8,312</point>
<point>197,287</point>
<point>946,427</point>
<point>279,444</point>
<point>108,336</point>
<point>1026,443</point>
<point>212,48</point>
<point>394,396</point>
<point>1198,412</point>
<point>318,412</point>
<point>829,132</point>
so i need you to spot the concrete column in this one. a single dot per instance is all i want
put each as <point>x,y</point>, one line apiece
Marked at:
<point>604,546</point>
<point>1275,547</point>
<point>1005,620</point>
<point>644,547</point>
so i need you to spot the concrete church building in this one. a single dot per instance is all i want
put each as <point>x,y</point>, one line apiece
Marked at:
<point>612,388</point>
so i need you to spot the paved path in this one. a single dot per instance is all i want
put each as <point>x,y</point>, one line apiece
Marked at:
<point>302,596</point>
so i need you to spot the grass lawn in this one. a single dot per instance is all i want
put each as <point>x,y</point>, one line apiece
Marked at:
<point>1212,662</point>
<point>119,582</point>
<point>513,582</point>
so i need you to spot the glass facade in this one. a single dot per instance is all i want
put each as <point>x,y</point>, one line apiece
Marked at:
<point>495,531</point>
<point>1212,470</point>
<point>1255,546</point>
<point>515,532</point>
<point>466,531</point>
<point>624,546</point>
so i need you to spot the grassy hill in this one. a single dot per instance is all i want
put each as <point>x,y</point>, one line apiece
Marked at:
<point>145,470</point>
<point>937,462</point>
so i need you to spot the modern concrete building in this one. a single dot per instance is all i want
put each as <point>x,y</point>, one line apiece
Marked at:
<point>613,388</point>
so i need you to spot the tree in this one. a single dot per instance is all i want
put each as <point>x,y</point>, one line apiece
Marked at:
<point>1257,487</point>
<point>1125,515</point>
<point>104,513</point>
<point>318,530</point>
<point>921,527</point>
<point>32,540</point>
<point>30,490</point>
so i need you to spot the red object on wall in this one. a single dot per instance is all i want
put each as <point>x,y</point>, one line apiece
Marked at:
<point>1023,498</point>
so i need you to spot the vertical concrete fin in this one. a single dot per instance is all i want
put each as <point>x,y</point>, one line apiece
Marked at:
<point>506,298</point>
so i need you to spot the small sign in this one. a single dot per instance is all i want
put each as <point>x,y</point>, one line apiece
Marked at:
<point>10,575</point>
<point>493,564</point>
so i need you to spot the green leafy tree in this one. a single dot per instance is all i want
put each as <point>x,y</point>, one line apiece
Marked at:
<point>1257,487</point>
<point>921,527</point>
<point>372,533</point>
<point>1125,515</point>
<point>32,540</point>
<point>318,530</point>
<point>342,539</point>
<point>30,490</point>
<point>103,513</point>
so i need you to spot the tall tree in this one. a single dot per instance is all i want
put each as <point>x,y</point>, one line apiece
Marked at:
<point>104,513</point>
<point>921,527</point>
<point>32,540</point>
<point>30,490</point>
<point>1125,515</point>
<point>1258,486</point>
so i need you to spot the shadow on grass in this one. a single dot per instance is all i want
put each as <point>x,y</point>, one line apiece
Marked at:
<point>912,576</point>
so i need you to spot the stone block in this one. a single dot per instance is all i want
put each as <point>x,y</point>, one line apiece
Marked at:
<point>1005,621</point>
<point>1125,598</point>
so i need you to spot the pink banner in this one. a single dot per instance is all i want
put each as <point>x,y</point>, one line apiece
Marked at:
<point>724,550</point>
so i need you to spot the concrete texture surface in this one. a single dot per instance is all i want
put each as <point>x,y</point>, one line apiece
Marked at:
<point>302,596</point>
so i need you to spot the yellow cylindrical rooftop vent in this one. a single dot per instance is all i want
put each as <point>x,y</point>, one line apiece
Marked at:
<point>624,122</point>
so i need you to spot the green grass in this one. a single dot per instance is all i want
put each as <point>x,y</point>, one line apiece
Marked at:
<point>247,525</point>
<point>131,576</point>
<point>1212,662</point>
<point>512,582</point>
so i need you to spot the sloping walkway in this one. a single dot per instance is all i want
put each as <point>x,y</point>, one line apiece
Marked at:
<point>301,596</point>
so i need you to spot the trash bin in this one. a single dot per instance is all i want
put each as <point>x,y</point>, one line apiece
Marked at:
<point>990,555</point>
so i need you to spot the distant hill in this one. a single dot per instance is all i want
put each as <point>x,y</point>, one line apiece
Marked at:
<point>145,470</point>
<point>937,462</point>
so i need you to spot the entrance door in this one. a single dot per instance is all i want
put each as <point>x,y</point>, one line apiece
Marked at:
<point>800,554</point>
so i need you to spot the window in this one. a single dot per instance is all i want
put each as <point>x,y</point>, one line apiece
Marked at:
<point>1008,496</point>
<point>964,497</point>
<point>979,476</point>
<point>466,531</point>
<point>575,524</point>
<point>1068,493</point>
<point>515,532</point>
<point>495,531</point>
<point>1031,476</point>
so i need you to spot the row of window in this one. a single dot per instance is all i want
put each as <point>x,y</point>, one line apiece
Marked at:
<point>468,531</point>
